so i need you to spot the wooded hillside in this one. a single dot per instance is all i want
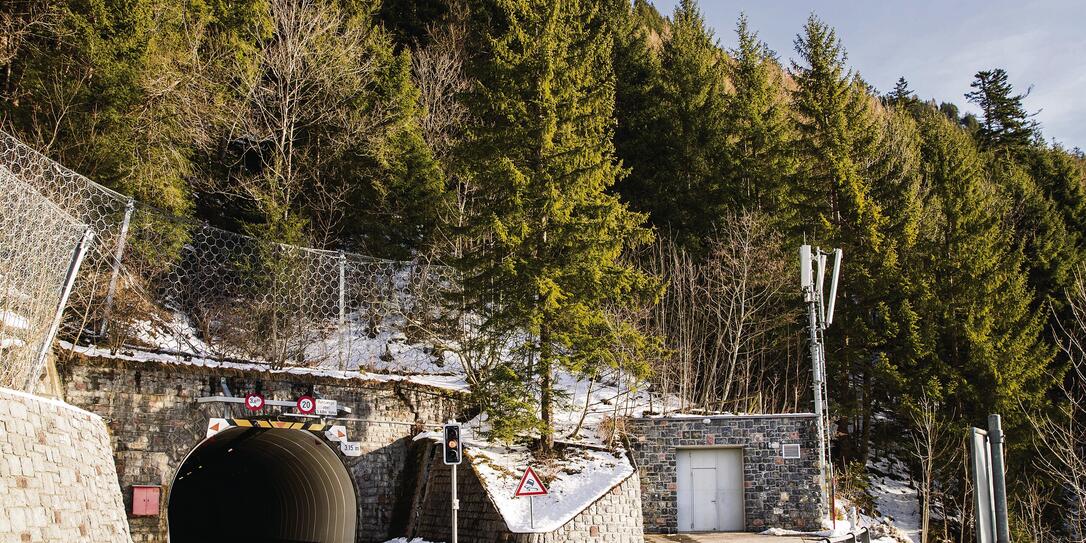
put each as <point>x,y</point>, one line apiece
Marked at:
<point>619,188</point>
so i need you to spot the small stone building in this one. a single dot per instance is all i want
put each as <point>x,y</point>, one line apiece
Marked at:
<point>728,472</point>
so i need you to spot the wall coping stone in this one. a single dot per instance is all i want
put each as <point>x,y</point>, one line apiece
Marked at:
<point>51,401</point>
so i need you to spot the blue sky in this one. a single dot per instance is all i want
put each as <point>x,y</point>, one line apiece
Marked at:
<point>939,45</point>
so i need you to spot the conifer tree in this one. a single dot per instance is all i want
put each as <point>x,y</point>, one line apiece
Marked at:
<point>1006,123</point>
<point>839,138</point>
<point>551,234</point>
<point>903,96</point>
<point>759,130</point>
<point>901,93</point>
<point>107,88</point>
<point>676,170</point>
<point>987,353</point>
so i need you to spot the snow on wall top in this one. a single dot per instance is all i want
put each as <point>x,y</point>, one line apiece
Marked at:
<point>448,382</point>
<point>574,482</point>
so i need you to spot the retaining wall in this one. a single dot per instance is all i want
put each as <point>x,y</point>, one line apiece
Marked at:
<point>57,478</point>
<point>614,518</point>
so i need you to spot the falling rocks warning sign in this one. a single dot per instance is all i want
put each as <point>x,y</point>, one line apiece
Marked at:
<point>530,485</point>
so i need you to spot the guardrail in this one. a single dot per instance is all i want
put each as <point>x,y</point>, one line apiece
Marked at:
<point>861,536</point>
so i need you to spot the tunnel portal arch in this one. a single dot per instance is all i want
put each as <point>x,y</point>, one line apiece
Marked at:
<point>259,484</point>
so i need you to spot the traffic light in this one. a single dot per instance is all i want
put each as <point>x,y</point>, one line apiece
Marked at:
<point>454,448</point>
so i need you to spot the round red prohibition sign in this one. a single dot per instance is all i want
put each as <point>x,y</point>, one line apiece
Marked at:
<point>306,405</point>
<point>254,401</point>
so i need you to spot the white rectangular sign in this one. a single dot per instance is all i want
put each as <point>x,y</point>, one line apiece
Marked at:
<point>327,407</point>
<point>351,448</point>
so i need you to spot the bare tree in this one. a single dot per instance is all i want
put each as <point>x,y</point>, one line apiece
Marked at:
<point>1061,434</point>
<point>20,19</point>
<point>300,109</point>
<point>1030,507</point>
<point>726,319</point>
<point>931,445</point>
<point>440,75</point>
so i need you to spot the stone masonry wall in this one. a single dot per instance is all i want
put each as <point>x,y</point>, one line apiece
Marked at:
<point>779,492</point>
<point>154,421</point>
<point>614,518</point>
<point>57,478</point>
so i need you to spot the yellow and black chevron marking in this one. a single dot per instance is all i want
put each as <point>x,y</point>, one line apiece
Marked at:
<point>285,425</point>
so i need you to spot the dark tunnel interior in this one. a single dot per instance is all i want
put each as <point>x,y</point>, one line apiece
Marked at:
<point>268,485</point>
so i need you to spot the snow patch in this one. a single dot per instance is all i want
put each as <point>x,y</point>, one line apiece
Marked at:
<point>8,342</point>
<point>895,497</point>
<point>13,320</point>
<point>448,382</point>
<point>573,483</point>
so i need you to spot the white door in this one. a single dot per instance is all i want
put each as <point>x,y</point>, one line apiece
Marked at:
<point>710,490</point>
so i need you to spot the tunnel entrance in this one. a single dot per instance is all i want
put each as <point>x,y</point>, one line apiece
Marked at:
<point>256,484</point>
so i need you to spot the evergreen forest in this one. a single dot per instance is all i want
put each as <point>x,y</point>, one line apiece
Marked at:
<point>620,188</point>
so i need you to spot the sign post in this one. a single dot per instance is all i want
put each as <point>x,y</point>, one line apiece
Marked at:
<point>530,486</point>
<point>453,449</point>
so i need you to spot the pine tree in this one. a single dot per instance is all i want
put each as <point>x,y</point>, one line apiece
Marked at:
<point>759,130</point>
<point>987,350</point>
<point>107,88</point>
<point>552,236</point>
<point>902,95</point>
<point>1006,123</point>
<point>677,164</point>
<point>839,141</point>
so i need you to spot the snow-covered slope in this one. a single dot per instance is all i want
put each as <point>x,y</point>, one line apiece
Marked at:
<point>895,496</point>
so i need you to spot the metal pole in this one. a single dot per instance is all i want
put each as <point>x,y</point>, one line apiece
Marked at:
<point>69,280</point>
<point>455,505</point>
<point>999,483</point>
<point>342,308</point>
<point>118,252</point>
<point>816,358</point>
<point>342,288</point>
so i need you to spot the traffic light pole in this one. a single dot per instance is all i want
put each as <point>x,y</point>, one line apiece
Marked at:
<point>455,505</point>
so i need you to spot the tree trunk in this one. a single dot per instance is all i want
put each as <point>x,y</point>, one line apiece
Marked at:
<point>546,385</point>
<point>867,409</point>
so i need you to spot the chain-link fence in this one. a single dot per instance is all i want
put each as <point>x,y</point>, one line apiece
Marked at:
<point>177,285</point>
<point>41,247</point>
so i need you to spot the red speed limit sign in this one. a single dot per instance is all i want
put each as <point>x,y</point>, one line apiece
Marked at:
<point>254,401</point>
<point>306,405</point>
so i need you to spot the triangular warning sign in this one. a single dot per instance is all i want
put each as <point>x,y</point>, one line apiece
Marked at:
<point>215,426</point>
<point>530,485</point>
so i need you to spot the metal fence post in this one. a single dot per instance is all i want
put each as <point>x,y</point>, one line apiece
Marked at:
<point>342,288</point>
<point>118,253</point>
<point>999,484</point>
<point>69,281</point>
<point>340,332</point>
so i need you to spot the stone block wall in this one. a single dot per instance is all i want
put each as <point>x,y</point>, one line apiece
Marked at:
<point>779,492</point>
<point>614,518</point>
<point>57,478</point>
<point>155,421</point>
